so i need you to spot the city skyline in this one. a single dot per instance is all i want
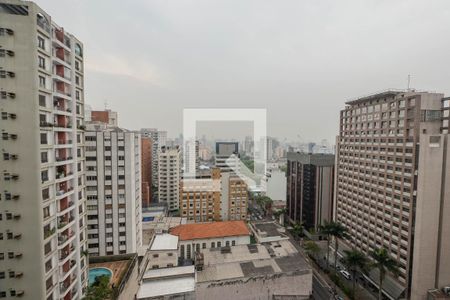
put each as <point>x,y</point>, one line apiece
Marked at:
<point>308,57</point>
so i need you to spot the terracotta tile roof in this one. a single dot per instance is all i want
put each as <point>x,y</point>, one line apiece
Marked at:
<point>210,230</point>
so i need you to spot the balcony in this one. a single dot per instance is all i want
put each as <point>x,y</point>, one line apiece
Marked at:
<point>66,252</point>
<point>65,238</point>
<point>49,232</point>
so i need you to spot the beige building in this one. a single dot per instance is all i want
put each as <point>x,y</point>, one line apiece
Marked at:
<point>200,197</point>
<point>392,183</point>
<point>169,175</point>
<point>42,207</point>
<point>163,251</point>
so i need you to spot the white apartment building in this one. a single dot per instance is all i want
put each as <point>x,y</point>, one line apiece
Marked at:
<point>169,175</point>
<point>113,180</point>
<point>42,200</point>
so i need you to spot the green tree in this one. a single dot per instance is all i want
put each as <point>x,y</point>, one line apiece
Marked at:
<point>312,248</point>
<point>326,229</point>
<point>355,261</point>
<point>297,229</point>
<point>100,289</point>
<point>338,231</point>
<point>384,263</point>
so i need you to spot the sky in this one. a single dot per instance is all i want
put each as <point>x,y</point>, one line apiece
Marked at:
<point>301,60</point>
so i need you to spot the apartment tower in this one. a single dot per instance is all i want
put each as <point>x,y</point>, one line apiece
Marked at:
<point>169,175</point>
<point>113,190</point>
<point>42,200</point>
<point>310,187</point>
<point>146,170</point>
<point>392,186</point>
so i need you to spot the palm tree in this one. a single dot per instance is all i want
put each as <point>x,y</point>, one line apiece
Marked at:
<point>384,263</point>
<point>355,261</point>
<point>312,248</point>
<point>338,231</point>
<point>297,229</point>
<point>326,229</point>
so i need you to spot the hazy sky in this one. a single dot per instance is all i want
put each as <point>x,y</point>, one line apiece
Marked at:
<point>299,59</point>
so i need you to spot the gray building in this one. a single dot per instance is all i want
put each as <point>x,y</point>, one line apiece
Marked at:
<point>42,194</point>
<point>310,186</point>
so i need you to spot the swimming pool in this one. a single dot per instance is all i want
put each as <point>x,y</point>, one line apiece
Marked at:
<point>95,272</point>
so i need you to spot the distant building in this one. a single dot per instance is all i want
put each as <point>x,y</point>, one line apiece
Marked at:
<point>227,156</point>
<point>104,116</point>
<point>158,139</point>
<point>169,176</point>
<point>309,195</point>
<point>199,237</point>
<point>113,190</point>
<point>191,158</point>
<point>234,196</point>
<point>146,170</point>
<point>200,197</point>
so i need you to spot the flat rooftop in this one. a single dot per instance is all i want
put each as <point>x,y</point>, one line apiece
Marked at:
<point>210,230</point>
<point>245,261</point>
<point>164,241</point>
<point>167,281</point>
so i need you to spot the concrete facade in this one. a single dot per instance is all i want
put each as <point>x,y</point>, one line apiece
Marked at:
<point>391,183</point>
<point>43,224</point>
<point>146,170</point>
<point>113,179</point>
<point>169,175</point>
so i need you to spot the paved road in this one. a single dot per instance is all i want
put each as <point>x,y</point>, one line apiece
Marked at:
<point>320,291</point>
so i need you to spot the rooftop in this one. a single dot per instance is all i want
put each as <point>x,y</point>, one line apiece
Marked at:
<point>164,241</point>
<point>210,230</point>
<point>167,281</point>
<point>245,261</point>
<point>316,159</point>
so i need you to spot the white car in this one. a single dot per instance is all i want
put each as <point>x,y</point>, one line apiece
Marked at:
<point>346,274</point>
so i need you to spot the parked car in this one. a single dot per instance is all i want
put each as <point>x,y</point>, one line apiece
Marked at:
<point>346,274</point>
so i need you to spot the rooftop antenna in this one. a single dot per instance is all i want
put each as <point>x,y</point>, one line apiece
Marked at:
<point>409,82</point>
<point>106,104</point>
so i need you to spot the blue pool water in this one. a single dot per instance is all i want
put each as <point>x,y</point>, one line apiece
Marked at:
<point>93,273</point>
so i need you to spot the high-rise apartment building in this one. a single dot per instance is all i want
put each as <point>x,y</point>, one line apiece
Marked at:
<point>392,183</point>
<point>113,190</point>
<point>169,169</point>
<point>42,200</point>
<point>159,139</point>
<point>309,192</point>
<point>191,158</point>
<point>146,169</point>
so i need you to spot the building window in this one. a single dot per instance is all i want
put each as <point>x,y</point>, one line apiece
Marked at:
<point>41,43</point>
<point>42,82</point>
<point>41,62</point>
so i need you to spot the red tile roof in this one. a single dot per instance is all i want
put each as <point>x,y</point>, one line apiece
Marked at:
<point>210,230</point>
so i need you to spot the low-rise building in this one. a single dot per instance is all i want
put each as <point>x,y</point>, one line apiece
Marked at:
<point>163,251</point>
<point>169,283</point>
<point>199,237</point>
<point>270,271</point>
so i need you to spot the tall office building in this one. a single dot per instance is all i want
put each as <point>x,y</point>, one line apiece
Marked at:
<point>227,156</point>
<point>392,183</point>
<point>309,192</point>
<point>113,190</point>
<point>42,201</point>
<point>146,169</point>
<point>169,169</point>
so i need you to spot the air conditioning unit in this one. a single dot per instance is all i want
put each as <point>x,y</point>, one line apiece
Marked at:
<point>19,274</point>
<point>14,156</point>
<point>16,216</point>
<point>16,197</point>
<point>12,95</point>
<point>18,255</point>
<point>20,293</point>
<point>18,236</point>
<point>13,136</point>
